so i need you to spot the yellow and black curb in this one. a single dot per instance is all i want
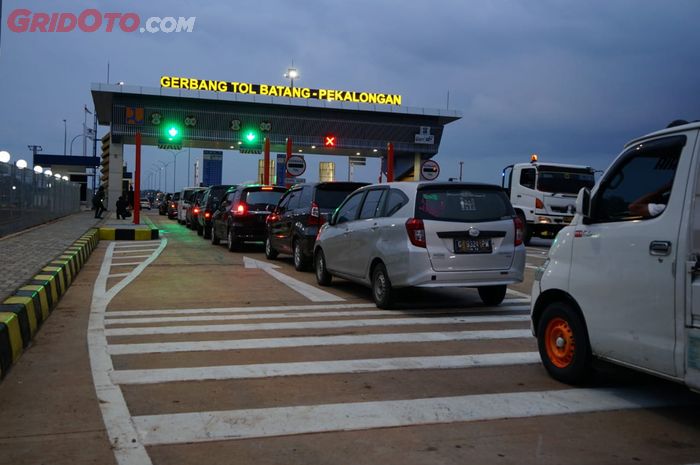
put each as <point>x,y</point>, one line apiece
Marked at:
<point>128,234</point>
<point>25,311</point>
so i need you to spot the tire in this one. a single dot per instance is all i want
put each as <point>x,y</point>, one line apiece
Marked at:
<point>233,243</point>
<point>562,340</point>
<point>270,252</point>
<point>492,295</point>
<point>214,239</point>
<point>382,292</point>
<point>300,261</point>
<point>200,230</point>
<point>323,277</point>
<point>207,232</point>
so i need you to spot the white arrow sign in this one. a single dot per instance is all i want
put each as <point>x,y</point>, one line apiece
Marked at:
<point>310,292</point>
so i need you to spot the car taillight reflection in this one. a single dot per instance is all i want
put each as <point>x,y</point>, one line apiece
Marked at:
<point>519,227</point>
<point>315,218</point>
<point>416,232</point>
<point>241,209</point>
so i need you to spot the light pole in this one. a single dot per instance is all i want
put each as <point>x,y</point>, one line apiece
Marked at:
<point>291,74</point>
<point>175,166</point>
<point>65,136</point>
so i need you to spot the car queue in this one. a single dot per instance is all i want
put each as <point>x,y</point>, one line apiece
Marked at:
<point>385,236</point>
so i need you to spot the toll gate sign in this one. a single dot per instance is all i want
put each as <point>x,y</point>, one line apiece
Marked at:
<point>429,170</point>
<point>296,165</point>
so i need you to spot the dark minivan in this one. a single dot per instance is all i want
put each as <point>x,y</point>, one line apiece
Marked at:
<point>242,214</point>
<point>209,203</point>
<point>293,225</point>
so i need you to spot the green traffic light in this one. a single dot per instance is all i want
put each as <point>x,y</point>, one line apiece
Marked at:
<point>250,136</point>
<point>173,132</point>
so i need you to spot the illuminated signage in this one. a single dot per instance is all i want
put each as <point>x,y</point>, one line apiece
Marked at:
<point>330,140</point>
<point>176,82</point>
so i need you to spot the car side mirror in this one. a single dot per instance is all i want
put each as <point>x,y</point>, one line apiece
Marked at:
<point>583,204</point>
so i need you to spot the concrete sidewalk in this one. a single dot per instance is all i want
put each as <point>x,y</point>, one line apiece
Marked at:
<point>23,254</point>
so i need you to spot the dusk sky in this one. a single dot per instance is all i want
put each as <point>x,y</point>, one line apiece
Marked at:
<point>571,81</point>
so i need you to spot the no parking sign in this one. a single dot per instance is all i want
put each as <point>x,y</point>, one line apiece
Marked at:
<point>429,170</point>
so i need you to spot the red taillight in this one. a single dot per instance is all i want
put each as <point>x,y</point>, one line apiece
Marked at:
<point>172,205</point>
<point>241,209</point>
<point>519,230</point>
<point>271,218</point>
<point>315,218</point>
<point>207,214</point>
<point>266,188</point>
<point>539,203</point>
<point>195,210</point>
<point>416,232</point>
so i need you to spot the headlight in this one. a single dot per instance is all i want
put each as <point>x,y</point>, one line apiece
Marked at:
<point>543,219</point>
<point>539,272</point>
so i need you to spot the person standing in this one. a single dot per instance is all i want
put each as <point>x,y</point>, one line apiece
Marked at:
<point>122,212</point>
<point>98,202</point>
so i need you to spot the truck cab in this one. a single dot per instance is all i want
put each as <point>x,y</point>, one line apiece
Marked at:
<point>622,281</point>
<point>544,194</point>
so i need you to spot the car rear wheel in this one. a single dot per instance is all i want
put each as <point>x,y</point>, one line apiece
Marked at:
<point>233,242</point>
<point>214,238</point>
<point>300,262</point>
<point>200,230</point>
<point>323,277</point>
<point>563,343</point>
<point>270,252</point>
<point>382,292</point>
<point>492,295</point>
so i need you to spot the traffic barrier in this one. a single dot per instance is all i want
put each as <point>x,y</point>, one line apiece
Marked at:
<point>128,234</point>
<point>23,313</point>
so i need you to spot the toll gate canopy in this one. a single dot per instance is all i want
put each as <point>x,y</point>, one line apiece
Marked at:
<point>217,120</point>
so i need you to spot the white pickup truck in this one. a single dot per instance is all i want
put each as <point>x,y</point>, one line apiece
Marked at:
<point>544,194</point>
<point>622,281</point>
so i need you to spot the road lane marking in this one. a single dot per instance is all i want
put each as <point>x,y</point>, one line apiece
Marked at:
<point>131,256</point>
<point>315,341</point>
<point>239,327</point>
<point>312,293</point>
<point>118,275</point>
<point>128,450</point>
<point>532,267</point>
<point>130,251</point>
<point>143,244</point>
<point>507,304</point>
<point>360,313</point>
<point>126,264</point>
<point>271,370</point>
<point>182,428</point>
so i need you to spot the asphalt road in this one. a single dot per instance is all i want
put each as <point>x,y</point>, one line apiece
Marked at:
<point>199,354</point>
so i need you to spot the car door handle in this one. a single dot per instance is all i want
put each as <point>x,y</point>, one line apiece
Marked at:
<point>660,248</point>
<point>374,227</point>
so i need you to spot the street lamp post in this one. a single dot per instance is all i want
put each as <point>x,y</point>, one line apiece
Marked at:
<point>291,74</point>
<point>65,136</point>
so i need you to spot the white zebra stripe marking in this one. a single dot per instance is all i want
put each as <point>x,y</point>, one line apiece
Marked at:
<point>153,330</point>
<point>182,428</point>
<point>269,370</point>
<point>314,341</point>
<point>359,313</point>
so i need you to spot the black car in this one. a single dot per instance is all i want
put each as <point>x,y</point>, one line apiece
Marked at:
<point>209,203</point>
<point>172,206</point>
<point>242,214</point>
<point>163,205</point>
<point>192,212</point>
<point>294,223</point>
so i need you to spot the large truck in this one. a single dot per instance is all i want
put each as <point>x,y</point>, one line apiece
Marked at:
<point>622,282</point>
<point>544,194</point>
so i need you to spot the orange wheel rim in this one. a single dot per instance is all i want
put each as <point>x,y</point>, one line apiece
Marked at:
<point>560,343</point>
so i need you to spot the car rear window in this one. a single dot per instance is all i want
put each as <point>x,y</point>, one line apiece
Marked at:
<point>176,196</point>
<point>262,198</point>
<point>465,205</point>
<point>330,196</point>
<point>188,194</point>
<point>216,194</point>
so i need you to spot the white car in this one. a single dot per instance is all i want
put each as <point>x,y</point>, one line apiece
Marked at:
<point>145,204</point>
<point>429,234</point>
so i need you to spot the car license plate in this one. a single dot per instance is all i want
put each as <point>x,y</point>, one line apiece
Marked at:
<point>473,246</point>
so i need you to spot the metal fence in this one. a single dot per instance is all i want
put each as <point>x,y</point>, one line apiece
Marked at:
<point>28,198</point>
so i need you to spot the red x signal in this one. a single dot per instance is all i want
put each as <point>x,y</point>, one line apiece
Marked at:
<point>330,141</point>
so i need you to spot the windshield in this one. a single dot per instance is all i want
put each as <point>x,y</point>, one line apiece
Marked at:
<point>465,205</point>
<point>329,197</point>
<point>263,199</point>
<point>563,180</point>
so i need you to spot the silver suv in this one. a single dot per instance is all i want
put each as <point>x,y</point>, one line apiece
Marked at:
<point>402,234</point>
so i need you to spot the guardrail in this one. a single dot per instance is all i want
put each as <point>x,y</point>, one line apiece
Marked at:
<point>28,198</point>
